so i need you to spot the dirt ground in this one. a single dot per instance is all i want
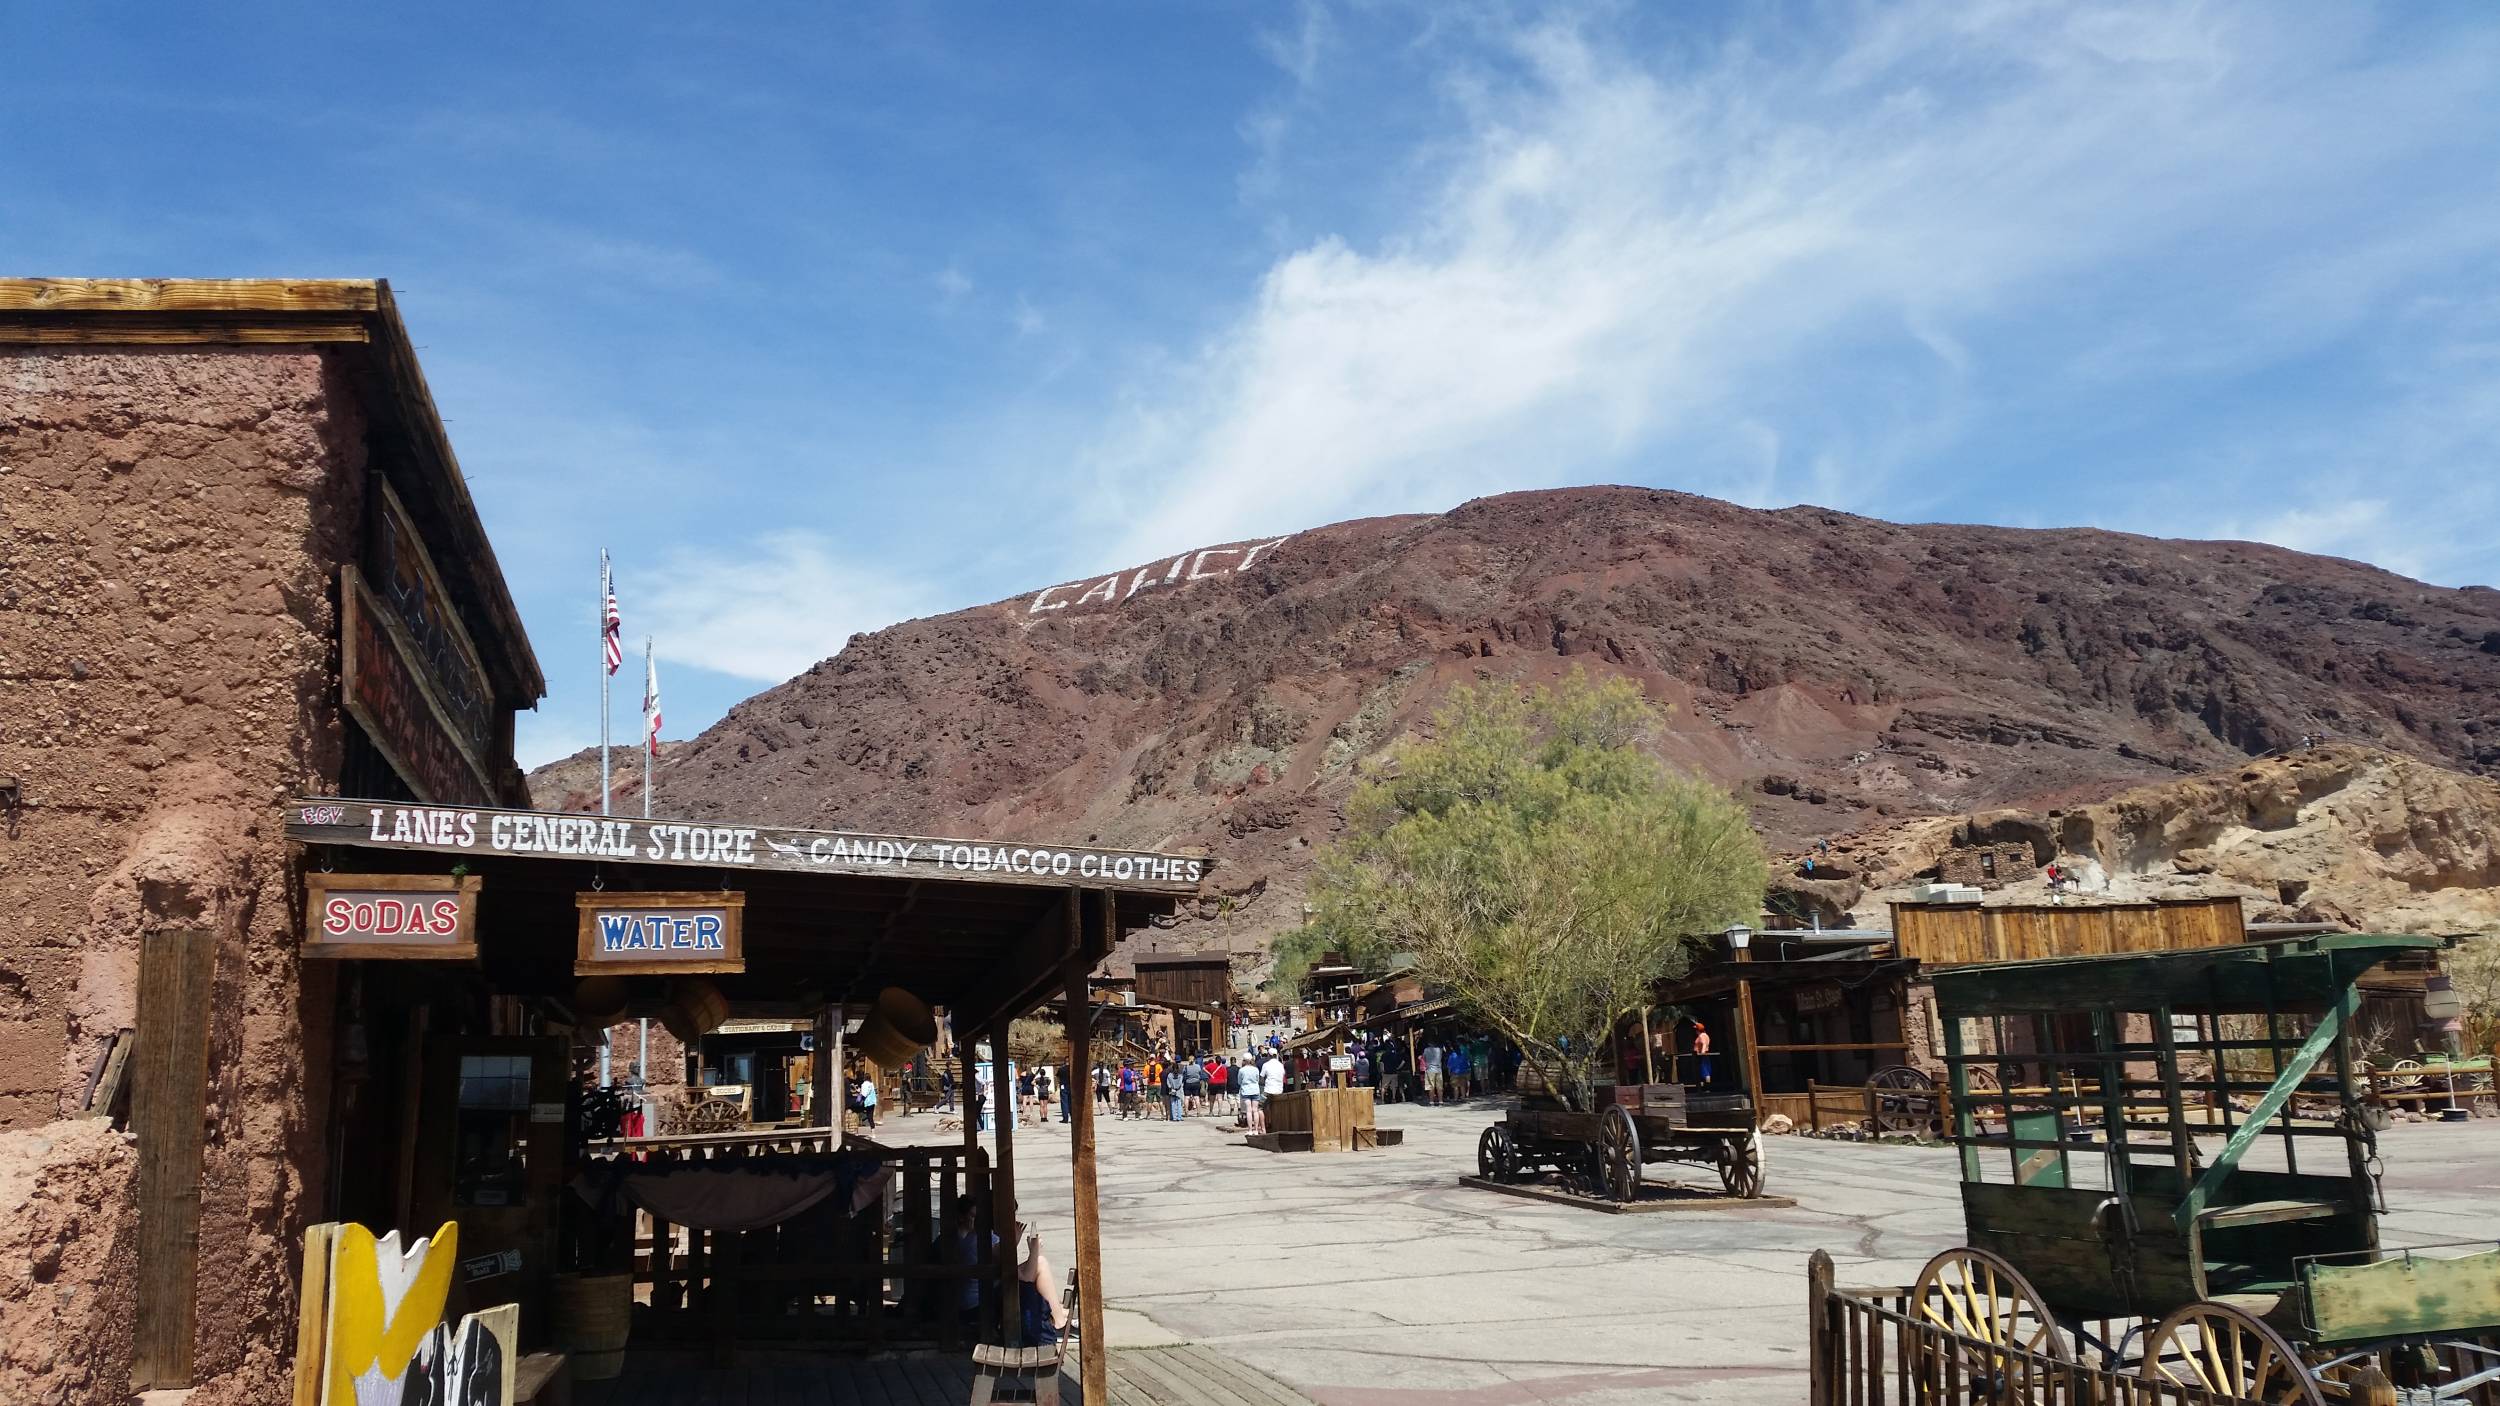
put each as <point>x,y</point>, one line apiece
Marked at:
<point>1374,1279</point>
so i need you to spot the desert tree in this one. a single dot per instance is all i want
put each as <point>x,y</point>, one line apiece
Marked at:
<point>1540,866</point>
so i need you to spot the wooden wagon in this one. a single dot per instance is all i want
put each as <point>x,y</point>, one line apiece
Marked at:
<point>2102,1231</point>
<point>1634,1126</point>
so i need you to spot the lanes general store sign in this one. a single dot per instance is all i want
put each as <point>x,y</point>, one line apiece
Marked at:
<point>473,830</point>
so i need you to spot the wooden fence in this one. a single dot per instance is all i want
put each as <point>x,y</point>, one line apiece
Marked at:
<point>1874,1347</point>
<point>1869,1347</point>
<point>1840,1105</point>
<point>822,1277</point>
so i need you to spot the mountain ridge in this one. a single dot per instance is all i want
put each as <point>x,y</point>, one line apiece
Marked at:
<point>1839,672</point>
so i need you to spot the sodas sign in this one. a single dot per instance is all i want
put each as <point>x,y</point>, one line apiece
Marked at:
<point>402,916</point>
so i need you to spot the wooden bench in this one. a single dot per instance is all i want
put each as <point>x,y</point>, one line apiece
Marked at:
<point>993,1363</point>
<point>542,1379</point>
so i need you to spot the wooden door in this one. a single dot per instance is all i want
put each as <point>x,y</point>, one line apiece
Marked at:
<point>490,1156</point>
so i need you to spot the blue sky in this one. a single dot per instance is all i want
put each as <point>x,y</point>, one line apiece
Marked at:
<point>824,320</point>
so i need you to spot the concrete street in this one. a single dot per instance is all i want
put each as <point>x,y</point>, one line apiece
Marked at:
<point>1373,1279</point>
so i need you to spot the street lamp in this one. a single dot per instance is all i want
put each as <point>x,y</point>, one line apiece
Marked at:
<point>1739,939</point>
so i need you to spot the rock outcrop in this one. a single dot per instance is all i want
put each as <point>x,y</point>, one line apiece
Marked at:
<point>2353,835</point>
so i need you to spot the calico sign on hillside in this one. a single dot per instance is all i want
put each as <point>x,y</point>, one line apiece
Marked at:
<point>472,830</point>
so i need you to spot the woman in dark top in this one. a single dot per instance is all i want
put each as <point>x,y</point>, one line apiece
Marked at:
<point>1045,1318</point>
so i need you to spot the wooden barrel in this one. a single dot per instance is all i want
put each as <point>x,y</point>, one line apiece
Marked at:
<point>592,1313</point>
<point>898,1027</point>
<point>599,1000</point>
<point>695,1008</point>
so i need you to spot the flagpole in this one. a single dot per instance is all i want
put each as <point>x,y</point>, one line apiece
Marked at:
<point>650,739</point>
<point>607,587</point>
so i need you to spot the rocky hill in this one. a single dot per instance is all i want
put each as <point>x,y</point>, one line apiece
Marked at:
<point>572,783</point>
<point>2341,834</point>
<point>1844,674</point>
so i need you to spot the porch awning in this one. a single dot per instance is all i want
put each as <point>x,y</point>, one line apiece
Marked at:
<point>983,926</point>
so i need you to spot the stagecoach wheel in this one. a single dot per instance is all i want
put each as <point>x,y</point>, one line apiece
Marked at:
<point>2228,1351</point>
<point>1740,1166</point>
<point>1493,1154</point>
<point>1974,1294</point>
<point>1905,1099</point>
<point>1619,1154</point>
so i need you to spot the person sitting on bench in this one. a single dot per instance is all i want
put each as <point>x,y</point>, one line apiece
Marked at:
<point>1045,1317</point>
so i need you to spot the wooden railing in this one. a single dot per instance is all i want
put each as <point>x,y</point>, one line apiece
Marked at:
<point>824,1276</point>
<point>1868,1348</point>
<point>1873,1347</point>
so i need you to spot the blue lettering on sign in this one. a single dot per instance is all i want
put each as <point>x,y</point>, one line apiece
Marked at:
<point>659,932</point>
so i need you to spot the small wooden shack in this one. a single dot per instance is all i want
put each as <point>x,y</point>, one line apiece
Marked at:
<point>1196,987</point>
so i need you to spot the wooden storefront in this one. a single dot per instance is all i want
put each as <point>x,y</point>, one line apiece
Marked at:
<point>826,923</point>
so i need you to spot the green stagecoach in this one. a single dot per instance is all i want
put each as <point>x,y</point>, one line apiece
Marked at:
<point>2165,1167</point>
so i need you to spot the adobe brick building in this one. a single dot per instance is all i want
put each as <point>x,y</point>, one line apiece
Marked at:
<point>195,477</point>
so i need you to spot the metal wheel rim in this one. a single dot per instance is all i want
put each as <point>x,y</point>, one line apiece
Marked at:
<point>1740,1166</point>
<point>1619,1154</point>
<point>1979,1295</point>
<point>1905,1098</point>
<point>2218,1348</point>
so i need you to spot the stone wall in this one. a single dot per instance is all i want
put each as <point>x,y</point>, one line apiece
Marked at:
<point>1986,866</point>
<point>171,522</point>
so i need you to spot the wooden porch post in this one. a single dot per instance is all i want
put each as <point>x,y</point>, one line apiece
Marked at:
<point>1753,1059</point>
<point>168,1118</point>
<point>1003,1180</point>
<point>825,1087</point>
<point>1092,1352</point>
<point>1649,1057</point>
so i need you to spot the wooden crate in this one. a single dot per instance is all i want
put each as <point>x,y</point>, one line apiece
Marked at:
<point>1329,1116</point>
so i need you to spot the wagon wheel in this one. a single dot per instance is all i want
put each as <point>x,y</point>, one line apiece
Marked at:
<point>1905,1099</point>
<point>2231,1353</point>
<point>1495,1160</point>
<point>1976,1295</point>
<point>714,1115</point>
<point>2404,1076</point>
<point>1740,1166</point>
<point>1619,1155</point>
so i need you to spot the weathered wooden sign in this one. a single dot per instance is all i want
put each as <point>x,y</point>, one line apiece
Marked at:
<point>421,917</point>
<point>625,934</point>
<point>401,574</point>
<point>387,694</point>
<point>474,830</point>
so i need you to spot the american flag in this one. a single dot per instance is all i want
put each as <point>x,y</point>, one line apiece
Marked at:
<point>650,701</point>
<point>612,630</point>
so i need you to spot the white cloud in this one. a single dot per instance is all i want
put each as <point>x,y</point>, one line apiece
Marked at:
<point>1631,255</point>
<point>767,609</point>
<point>1028,318</point>
<point>953,286</point>
<point>544,735</point>
<point>2361,528</point>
